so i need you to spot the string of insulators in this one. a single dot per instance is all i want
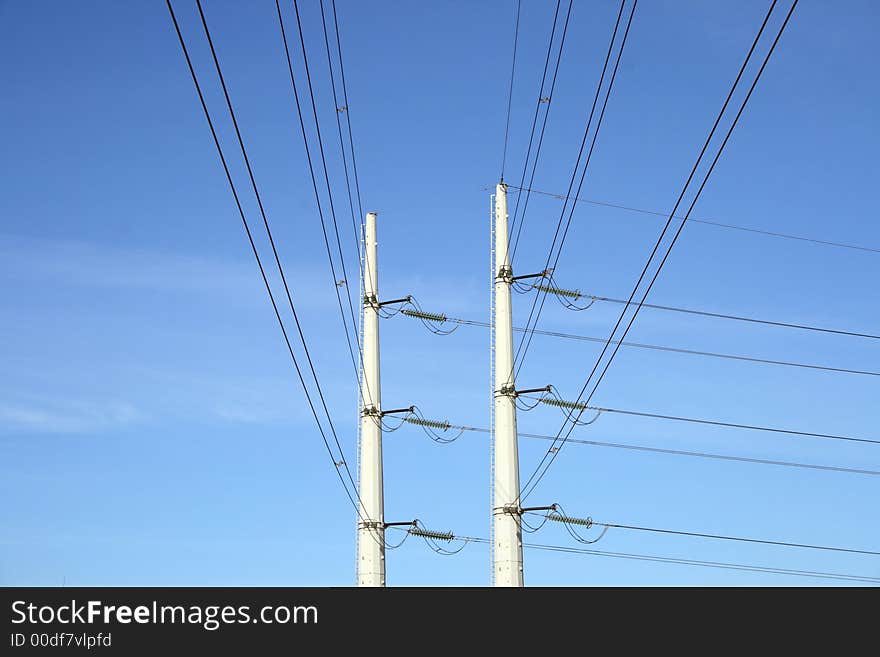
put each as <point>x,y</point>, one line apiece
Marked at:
<point>443,426</point>
<point>558,517</point>
<point>434,317</point>
<point>429,533</point>
<point>561,403</point>
<point>574,294</point>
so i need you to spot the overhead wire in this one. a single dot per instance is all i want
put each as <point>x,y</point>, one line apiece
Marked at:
<point>525,342</point>
<point>722,565</point>
<point>510,87</point>
<point>265,219</point>
<point>548,101</point>
<point>679,452</point>
<point>739,539</point>
<point>737,318</point>
<point>320,142</point>
<point>736,425</point>
<point>550,457</point>
<point>351,495</point>
<point>706,222</point>
<point>355,224</point>
<point>458,321</point>
<point>357,185</point>
<point>351,350</point>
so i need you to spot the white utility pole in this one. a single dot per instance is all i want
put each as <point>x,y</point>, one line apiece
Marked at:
<point>371,528</point>
<point>507,550</point>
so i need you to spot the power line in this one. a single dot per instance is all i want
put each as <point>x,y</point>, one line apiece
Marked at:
<point>679,452</point>
<point>723,565</point>
<point>542,99</point>
<point>266,226</point>
<point>553,455</point>
<point>357,184</point>
<point>340,110</point>
<point>253,246</point>
<point>739,539</point>
<point>351,351</point>
<point>706,222</point>
<point>523,347</point>
<point>677,350</point>
<point>734,425</point>
<point>709,564</point>
<point>510,88</point>
<point>741,318</point>
<point>320,141</point>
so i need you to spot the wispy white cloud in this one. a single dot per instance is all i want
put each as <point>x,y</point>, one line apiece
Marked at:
<point>104,266</point>
<point>66,417</point>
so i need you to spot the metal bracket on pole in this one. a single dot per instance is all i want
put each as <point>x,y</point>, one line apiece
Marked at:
<point>527,391</point>
<point>410,523</point>
<point>405,299</point>
<point>508,391</point>
<point>395,411</point>
<point>552,507</point>
<point>543,274</point>
<point>519,510</point>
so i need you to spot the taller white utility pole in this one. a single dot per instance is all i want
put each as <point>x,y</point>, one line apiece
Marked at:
<point>371,528</point>
<point>507,550</point>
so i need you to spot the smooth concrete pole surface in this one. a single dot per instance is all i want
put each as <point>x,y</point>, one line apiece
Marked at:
<point>371,528</point>
<point>507,550</point>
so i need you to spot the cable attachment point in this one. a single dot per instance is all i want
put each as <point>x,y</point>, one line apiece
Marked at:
<point>342,108</point>
<point>545,99</point>
<point>516,510</point>
<point>507,391</point>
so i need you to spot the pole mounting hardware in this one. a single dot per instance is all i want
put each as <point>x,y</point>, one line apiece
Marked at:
<point>528,391</point>
<point>405,299</point>
<point>396,411</point>
<point>541,274</point>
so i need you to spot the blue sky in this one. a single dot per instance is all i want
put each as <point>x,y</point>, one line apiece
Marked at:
<point>151,427</point>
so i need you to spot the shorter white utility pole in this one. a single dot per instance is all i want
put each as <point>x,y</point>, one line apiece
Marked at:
<point>371,527</point>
